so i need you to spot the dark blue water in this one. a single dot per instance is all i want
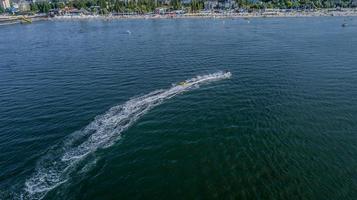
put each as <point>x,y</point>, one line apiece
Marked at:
<point>79,119</point>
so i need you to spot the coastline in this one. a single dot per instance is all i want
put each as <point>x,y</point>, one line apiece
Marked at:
<point>9,20</point>
<point>19,19</point>
<point>212,15</point>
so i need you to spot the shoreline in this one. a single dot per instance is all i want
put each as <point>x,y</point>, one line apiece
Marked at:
<point>350,13</point>
<point>18,19</point>
<point>9,20</point>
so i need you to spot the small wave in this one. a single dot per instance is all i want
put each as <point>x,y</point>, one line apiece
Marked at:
<point>56,166</point>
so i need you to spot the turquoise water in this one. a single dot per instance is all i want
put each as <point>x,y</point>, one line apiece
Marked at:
<point>92,109</point>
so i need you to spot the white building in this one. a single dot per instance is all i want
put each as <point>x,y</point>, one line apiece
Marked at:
<point>354,3</point>
<point>211,4</point>
<point>24,6</point>
<point>5,3</point>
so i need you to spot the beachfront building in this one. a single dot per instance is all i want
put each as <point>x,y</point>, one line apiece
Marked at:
<point>186,2</point>
<point>271,11</point>
<point>211,4</point>
<point>34,1</point>
<point>24,6</point>
<point>164,2</point>
<point>5,4</point>
<point>354,3</point>
<point>227,4</point>
<point>161,11</point>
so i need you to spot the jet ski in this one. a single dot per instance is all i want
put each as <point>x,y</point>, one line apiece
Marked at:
<point>188,83</point>
<point>183,83</point>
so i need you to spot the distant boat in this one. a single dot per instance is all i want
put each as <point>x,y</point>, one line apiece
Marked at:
<point>344,24</point>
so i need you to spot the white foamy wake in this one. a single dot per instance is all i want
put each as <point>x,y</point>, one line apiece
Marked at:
<point>55,167</point>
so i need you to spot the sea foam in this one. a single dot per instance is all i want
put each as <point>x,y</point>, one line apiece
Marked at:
<point>55,167</point>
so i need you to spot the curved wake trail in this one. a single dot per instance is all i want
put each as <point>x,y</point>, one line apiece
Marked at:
<point>55,167</point>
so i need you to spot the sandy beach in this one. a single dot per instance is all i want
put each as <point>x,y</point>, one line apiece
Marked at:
<point>10,19</point>
<point>316,13</point>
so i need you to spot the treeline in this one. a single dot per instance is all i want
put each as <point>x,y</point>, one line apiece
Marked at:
<point>103,6</point>
<point>2,10</point>
<point>43,7</point>
<point>145,6</point>
<point>107,6</point>
<point>296,4</point>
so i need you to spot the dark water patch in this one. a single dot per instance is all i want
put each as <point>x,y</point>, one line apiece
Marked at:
<point>283,127</point>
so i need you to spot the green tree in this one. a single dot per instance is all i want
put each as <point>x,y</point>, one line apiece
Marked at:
<point>288,4</point>
<point>34,7</point>
<point>196,5</point>
<point>242,3</point>
<point>79,4</point>
<point>61,5</point>
<point>175,4</point>
<point>43,7</point>
<point>102,4</point>
<point>119,6</point>
<point>346,3</point>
